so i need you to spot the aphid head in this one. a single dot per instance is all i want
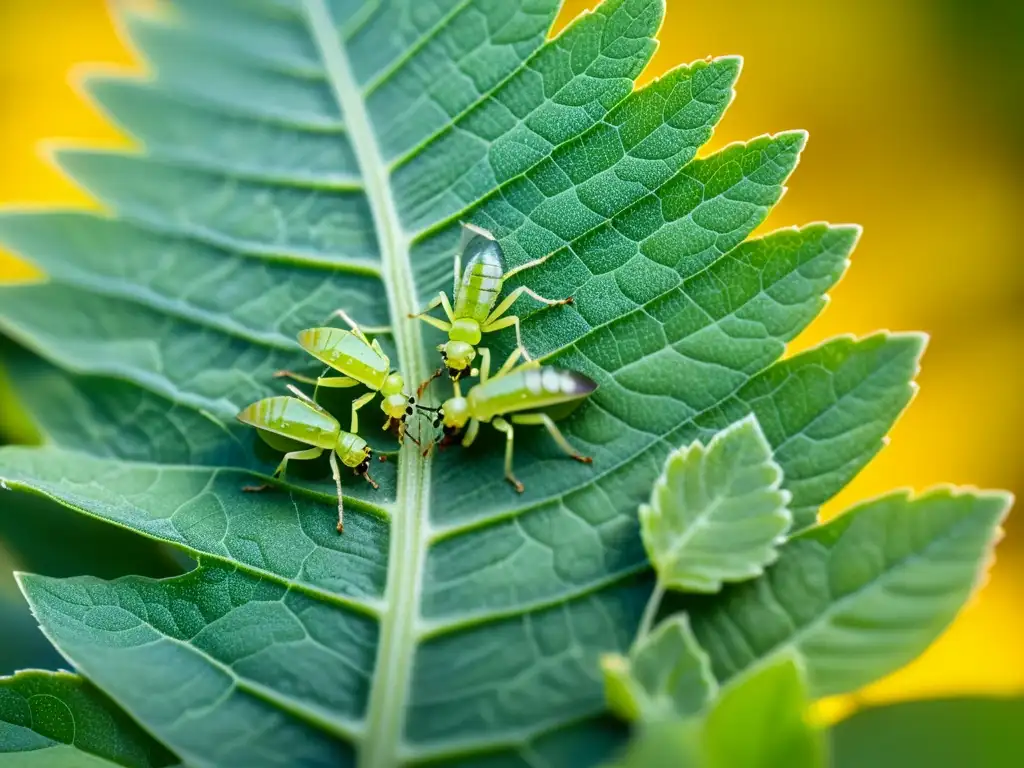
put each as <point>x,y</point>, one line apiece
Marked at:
<point>364,466</point>
<point>454,414</point>
<point>458,357</point>
<point>393,384</point>
<point>398,406</point>
<point>352,450</point>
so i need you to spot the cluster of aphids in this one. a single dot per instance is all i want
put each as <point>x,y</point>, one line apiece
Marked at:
<point>518,393</point>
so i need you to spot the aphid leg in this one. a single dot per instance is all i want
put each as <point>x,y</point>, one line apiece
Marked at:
<point>544,420</point>
<point>304,397</point>
<point>423,386</point>
<point>511,299</point>
<point>495,321</point>
<point>337,382</point>
<point>256,488</point>
<point>529,265</point>
<point>370,480</point>
<point>485,364</point>
<point>408,433</point>
<point>505,322</point>
<point>303,455</point>
<point>471,433</point>
<point>447,307</point>
<point>503,426</point>
<point>356,329</point>
<point>440,301</point>
<point>510,363</point>
<point>358,403</point>
<point>337,483</point>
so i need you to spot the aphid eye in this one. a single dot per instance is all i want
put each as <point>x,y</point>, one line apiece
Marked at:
<point>412,401</point>
<point>408,411</point>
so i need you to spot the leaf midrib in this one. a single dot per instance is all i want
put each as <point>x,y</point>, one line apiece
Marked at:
<point>389,690</point>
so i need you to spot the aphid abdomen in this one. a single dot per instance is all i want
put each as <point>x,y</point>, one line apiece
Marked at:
<point>346,353</point>
<point>278,443</point>
<point>528,389</point>
<point>291,418</point>
<point>482,279</point>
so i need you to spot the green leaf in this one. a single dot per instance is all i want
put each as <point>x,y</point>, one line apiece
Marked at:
<point>859,597</point>
<point>826,411</point>
<point>943,733</point>
<point>57,720</point>
<point>758,723</point>
<point>667,675</point>
<point>761,722</point>
<point>665,744</point>
<point>299,156</point>
<point>15,426</point>
<point>716,513</point>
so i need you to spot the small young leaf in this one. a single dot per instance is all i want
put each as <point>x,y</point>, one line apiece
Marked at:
<point>859,597</point>
<point>57,719</point>
<point>758,723</point>
<point>761,723</point>
<point>665,744</point>
<point>666,676</point>
<point>717,512</point>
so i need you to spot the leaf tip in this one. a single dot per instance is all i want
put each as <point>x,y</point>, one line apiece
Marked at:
<point>797,138</point>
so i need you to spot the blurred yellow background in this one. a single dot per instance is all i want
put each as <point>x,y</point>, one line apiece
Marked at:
<point>912,135</point>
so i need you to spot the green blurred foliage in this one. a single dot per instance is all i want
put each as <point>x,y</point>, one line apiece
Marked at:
<point>942,733</point>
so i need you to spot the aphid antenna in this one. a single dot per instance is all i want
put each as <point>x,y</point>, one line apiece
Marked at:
<point>477,229</point>
<point>423,387</point>
<point>304,397</point>
<point>316,389</point>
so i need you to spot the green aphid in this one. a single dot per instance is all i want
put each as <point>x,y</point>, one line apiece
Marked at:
<point>530,387</point>
<point>476,292</point>
<point>288,423</point>
<point>361,361</point>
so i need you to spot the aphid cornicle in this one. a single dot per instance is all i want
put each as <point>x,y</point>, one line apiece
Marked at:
<point>288,423</point>
<point>530,387</point>
<point>361,361</point>
<point>476,290</point>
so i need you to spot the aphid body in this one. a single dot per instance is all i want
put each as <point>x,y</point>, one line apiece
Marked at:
<point>476,289</point>
<point>521,394</point>
<point>304,431</point>
<point>360,361</point>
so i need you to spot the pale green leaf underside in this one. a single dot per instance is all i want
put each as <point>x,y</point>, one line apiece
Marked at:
<point>303,156</point>
<point>666,675</point>
<point>758,723</point>
<point>761,722</point>
<point>57,719</point>
<point>716,513</point>
<point>860,596</point>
